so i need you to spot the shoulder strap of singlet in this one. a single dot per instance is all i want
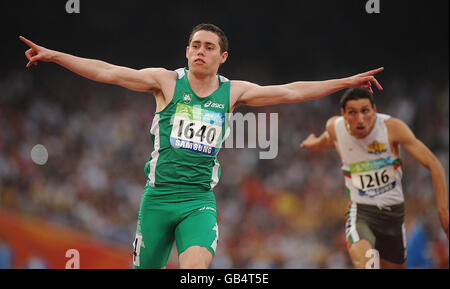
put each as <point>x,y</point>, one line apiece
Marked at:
<point>180,72</point>
<point>223,79</point>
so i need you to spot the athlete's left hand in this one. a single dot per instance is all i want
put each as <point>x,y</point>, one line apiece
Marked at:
<point>365,80</point>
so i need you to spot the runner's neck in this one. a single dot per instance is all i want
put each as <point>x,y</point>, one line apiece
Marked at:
<point>203,85</point>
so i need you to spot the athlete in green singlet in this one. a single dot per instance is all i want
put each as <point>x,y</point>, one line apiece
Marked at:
<point>189,126</point>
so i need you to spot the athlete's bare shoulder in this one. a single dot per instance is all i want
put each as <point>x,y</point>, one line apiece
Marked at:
<point>330,127</point>
<point>395,125</point>
<point>161,75</point>
<point>237,88</point>
<point>147,79</point>
<point>249,93</point>
<point>398,131</point>
<point>394,122</point>
<point>165,81</point>
<point>332,119</point>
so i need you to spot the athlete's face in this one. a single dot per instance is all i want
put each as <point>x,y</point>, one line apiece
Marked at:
<point>360,117</point>
<point>203,53</point>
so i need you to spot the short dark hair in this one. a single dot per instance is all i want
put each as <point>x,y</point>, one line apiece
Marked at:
<point>355,94</point>
<point>223,40</point>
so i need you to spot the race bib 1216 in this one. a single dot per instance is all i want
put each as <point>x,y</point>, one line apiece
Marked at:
<point>373,177</point>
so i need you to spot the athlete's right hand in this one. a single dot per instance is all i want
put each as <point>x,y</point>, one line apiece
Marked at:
<point>310,143</point>
<point>36,53</point>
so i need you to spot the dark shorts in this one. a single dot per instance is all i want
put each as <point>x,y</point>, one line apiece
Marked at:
<point>383,228</point>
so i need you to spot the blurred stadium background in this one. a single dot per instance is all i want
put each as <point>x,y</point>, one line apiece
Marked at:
<point>282,213</point>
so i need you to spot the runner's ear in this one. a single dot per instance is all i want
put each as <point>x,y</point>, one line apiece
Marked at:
<point>224,57</point>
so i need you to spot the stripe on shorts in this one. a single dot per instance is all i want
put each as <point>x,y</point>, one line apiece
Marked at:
<point>350,224</point>
<point>214,243</point>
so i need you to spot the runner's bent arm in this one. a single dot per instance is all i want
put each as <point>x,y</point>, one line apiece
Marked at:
<point>400,133</point>
<point>324,141</point>
<point>97,70</point>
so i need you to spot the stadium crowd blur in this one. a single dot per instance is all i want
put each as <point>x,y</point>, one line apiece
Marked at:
<point>287,212</point>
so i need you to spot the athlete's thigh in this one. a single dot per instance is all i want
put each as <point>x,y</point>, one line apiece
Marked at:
<point>154,234</point>
<point>360,237</point>
<point>392,247</point>
<point>357,228</point>
<point>198,229</point>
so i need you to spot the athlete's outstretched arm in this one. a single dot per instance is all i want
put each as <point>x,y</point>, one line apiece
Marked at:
<point>400,133</point>
<point>324,141</point>
<point>97,70</point>
<point>256,95</point>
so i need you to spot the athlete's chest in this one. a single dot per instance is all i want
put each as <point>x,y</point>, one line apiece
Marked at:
<point>198,124</point>
<point>376,146</point>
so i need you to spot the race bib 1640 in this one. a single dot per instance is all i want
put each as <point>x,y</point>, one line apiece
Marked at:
<point>196,129</point>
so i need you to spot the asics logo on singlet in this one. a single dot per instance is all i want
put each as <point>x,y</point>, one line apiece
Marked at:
<point>212,104</point>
